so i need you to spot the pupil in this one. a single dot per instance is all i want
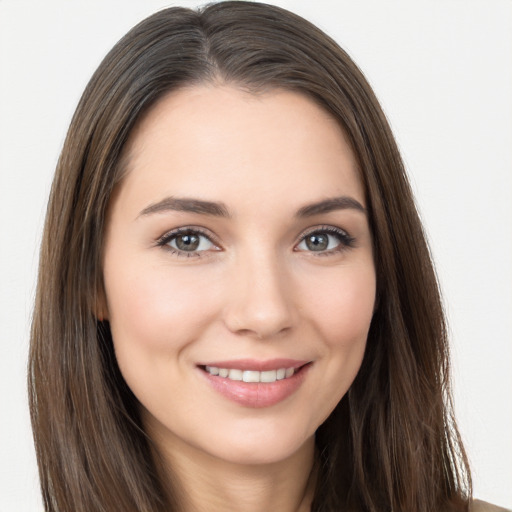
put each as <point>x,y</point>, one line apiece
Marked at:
<point>317,242</point>
<point>187,242</point>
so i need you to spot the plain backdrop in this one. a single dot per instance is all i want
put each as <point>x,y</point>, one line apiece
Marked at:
<point>442,70</point>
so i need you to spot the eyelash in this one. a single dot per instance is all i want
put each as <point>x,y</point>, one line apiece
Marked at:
<point>346,241</point>
<point>164,240</point>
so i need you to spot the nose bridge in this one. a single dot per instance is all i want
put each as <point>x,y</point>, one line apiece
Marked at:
<point>260,299</point>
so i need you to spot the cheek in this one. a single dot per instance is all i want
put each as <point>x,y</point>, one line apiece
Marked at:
<point>342,306</point>
<point>156,308</point>
<point>154,319</point>
<point>341,312</point>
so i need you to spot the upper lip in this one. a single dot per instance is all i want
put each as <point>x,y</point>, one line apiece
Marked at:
<point>256,364</point>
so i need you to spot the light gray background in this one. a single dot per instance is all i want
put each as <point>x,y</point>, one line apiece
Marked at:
<point>443,72</point>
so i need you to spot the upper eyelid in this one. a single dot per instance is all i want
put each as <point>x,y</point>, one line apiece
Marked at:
<point>320,229</point>
<point>163,239</point>
<point>183,229</point>
<point>346,240</point>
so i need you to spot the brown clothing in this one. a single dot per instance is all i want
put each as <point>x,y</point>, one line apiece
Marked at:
<point>482,506</point>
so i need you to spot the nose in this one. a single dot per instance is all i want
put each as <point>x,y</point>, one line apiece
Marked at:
<point>261,302</point>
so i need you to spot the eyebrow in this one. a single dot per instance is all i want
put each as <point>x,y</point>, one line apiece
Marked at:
<point>185,204</point>
<point>330,205</point>
<point>219,209</point>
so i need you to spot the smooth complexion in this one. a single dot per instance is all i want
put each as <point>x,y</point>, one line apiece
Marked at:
<point>238,239</point>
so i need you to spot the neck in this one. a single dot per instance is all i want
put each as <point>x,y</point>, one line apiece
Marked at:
<point>208,484</point>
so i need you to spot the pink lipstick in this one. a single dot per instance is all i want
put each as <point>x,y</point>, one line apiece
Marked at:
<point>254,383</point>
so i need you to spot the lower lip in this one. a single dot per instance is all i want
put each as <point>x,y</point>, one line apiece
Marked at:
<point>257,394</point>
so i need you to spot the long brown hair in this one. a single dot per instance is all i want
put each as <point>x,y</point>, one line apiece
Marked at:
<point>392,442</point>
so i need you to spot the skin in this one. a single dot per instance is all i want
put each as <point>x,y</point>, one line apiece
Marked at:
<point>254,289</point>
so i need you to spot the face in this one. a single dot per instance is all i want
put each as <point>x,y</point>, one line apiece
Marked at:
<point>238,271</point>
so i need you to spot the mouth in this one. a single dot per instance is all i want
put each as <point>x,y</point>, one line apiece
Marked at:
<point>256,384</point>
<point>238,374</point>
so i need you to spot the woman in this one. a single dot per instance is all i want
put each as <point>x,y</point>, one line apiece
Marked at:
<point>236,306</point>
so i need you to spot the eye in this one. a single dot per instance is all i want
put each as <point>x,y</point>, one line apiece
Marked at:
<point>187,242</point>
<point>325,240</point>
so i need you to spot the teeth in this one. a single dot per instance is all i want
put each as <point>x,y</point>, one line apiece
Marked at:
<point>251,375</point>
<point>270,376</point>
<point>212,370</point>
<point>235,374</point>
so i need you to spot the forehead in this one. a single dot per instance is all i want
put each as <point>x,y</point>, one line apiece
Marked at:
<point>199,139</point>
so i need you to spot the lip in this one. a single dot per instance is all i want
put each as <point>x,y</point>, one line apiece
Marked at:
<point>257,395</point>
<point>255,364</point>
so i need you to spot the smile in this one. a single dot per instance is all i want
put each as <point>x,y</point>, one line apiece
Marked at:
<point>256,384</point>
<point>251,375</point>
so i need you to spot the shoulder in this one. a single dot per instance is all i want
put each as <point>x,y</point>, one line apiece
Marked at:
<point>482,506</point>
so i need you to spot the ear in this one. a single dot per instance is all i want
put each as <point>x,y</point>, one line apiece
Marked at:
<point>100,306</point>
<point>376,304</point>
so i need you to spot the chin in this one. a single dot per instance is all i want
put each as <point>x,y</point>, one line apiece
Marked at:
<point>259,444</point>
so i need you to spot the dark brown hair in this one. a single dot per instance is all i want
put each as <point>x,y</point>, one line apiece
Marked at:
<point>392,442</point>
